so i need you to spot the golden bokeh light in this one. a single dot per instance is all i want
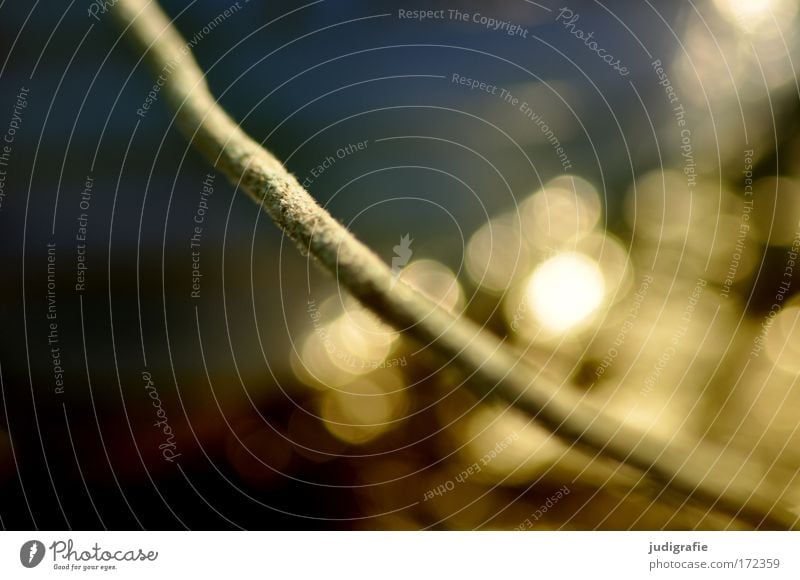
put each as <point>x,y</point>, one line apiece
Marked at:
<point>662,207</point>
<point>436,281</point>
<point>566,209</point>
<point>733,61</point>
<point>783,340</point>
<point>359,341</point>
<point>315,366</point>
<point>354,342</point>
<point>368,408</point>
<point>497,255</point>
<point>638,313</point>
<point>507,446</point>
<point>565,291</point>
<point>613,261</point>
<point>753,15</point>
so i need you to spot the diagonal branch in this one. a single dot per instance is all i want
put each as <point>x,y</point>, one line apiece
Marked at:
<point>491,366</point>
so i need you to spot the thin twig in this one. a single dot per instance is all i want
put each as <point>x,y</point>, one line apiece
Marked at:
<point>490,365</point>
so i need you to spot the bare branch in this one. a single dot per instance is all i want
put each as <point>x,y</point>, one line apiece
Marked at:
<point>491,366</point>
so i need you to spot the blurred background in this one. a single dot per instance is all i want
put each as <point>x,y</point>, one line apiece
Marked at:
<point>613,187</point>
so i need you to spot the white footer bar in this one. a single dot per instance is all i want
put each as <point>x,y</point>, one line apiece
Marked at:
<point>400,555</point>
